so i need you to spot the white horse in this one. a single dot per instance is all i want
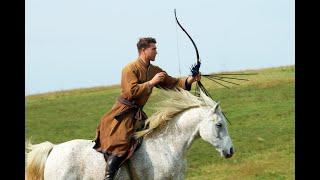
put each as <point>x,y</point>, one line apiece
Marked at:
<point>171,130</point>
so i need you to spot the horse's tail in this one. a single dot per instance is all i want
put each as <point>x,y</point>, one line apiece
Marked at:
<point>36,159</point>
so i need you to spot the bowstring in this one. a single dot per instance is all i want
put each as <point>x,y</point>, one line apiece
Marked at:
<point>178,54</point>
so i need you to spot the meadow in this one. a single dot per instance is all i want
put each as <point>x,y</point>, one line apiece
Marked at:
<point>261,111</point>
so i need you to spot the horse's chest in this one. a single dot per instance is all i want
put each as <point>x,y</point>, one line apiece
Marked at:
<point>165,165</point>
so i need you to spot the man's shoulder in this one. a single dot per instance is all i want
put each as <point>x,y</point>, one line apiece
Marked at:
<point>155,67</point>
<point>131,64</point>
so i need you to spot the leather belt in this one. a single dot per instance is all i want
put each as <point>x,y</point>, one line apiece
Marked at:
<point>138,112</point>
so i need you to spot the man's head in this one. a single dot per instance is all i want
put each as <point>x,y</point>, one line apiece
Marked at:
<point>147,48</point>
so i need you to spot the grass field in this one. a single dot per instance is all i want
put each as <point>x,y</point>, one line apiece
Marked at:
<point>262,113</point>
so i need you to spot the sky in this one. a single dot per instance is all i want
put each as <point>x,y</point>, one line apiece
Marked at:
<point>85,43</point>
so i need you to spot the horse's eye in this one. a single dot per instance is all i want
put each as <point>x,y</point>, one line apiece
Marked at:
<point>219,125</point>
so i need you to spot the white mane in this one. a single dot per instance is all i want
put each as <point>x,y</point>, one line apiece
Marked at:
<point>175,102</point>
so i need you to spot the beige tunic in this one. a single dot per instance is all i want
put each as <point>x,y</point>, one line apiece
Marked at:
<point>114,133</point>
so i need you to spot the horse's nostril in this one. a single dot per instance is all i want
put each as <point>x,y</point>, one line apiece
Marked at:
<point>231,150</point>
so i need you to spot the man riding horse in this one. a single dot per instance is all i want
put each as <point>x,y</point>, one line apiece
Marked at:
<point>114,134</point>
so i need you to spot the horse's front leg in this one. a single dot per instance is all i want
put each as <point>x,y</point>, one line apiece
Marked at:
<point>179,175</point>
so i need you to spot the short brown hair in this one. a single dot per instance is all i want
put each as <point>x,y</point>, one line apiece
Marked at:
<point>144,42</point>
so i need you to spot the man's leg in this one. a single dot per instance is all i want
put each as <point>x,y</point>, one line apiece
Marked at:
<point>119,144</point>
<point>113,164</point>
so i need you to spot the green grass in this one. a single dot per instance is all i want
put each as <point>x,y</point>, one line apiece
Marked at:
<point>261,112</point>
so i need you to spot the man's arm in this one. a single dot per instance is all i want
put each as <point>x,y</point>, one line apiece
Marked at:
<point>172,82</point>
<point>130,84</point>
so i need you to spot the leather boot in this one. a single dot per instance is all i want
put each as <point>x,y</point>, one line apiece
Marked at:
<point>112,166</point>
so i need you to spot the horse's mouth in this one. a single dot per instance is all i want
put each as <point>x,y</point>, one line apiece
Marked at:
<point>228,156</point>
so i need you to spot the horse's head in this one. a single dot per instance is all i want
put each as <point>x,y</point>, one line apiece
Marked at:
<point>213,128</point>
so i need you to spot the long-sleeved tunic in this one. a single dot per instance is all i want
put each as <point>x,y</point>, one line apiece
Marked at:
<point>115,130</point>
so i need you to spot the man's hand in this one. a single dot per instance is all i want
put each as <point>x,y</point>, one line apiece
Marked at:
<point>192,79</point>
<point>159,77</point>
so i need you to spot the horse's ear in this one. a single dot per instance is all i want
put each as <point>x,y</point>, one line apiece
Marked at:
<point>217,105</point>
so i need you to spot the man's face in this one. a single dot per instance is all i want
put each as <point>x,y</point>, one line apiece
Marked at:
<point>151,52</point>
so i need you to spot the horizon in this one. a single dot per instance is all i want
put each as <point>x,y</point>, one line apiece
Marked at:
<point>110,85</point>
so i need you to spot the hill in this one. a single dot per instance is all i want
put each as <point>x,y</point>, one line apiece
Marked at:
<point>261,112</point>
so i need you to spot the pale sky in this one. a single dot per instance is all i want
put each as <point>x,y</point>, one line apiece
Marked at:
<point>85,43</point>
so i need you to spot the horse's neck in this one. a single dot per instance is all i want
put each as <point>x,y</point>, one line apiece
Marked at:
<point>178,134</point>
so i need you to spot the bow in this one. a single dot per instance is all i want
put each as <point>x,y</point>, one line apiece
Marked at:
<point>217,78</point>
<point>213,77</point>
<point>194,68</point>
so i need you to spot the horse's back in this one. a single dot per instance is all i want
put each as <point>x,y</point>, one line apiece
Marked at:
<point>75,159</point>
